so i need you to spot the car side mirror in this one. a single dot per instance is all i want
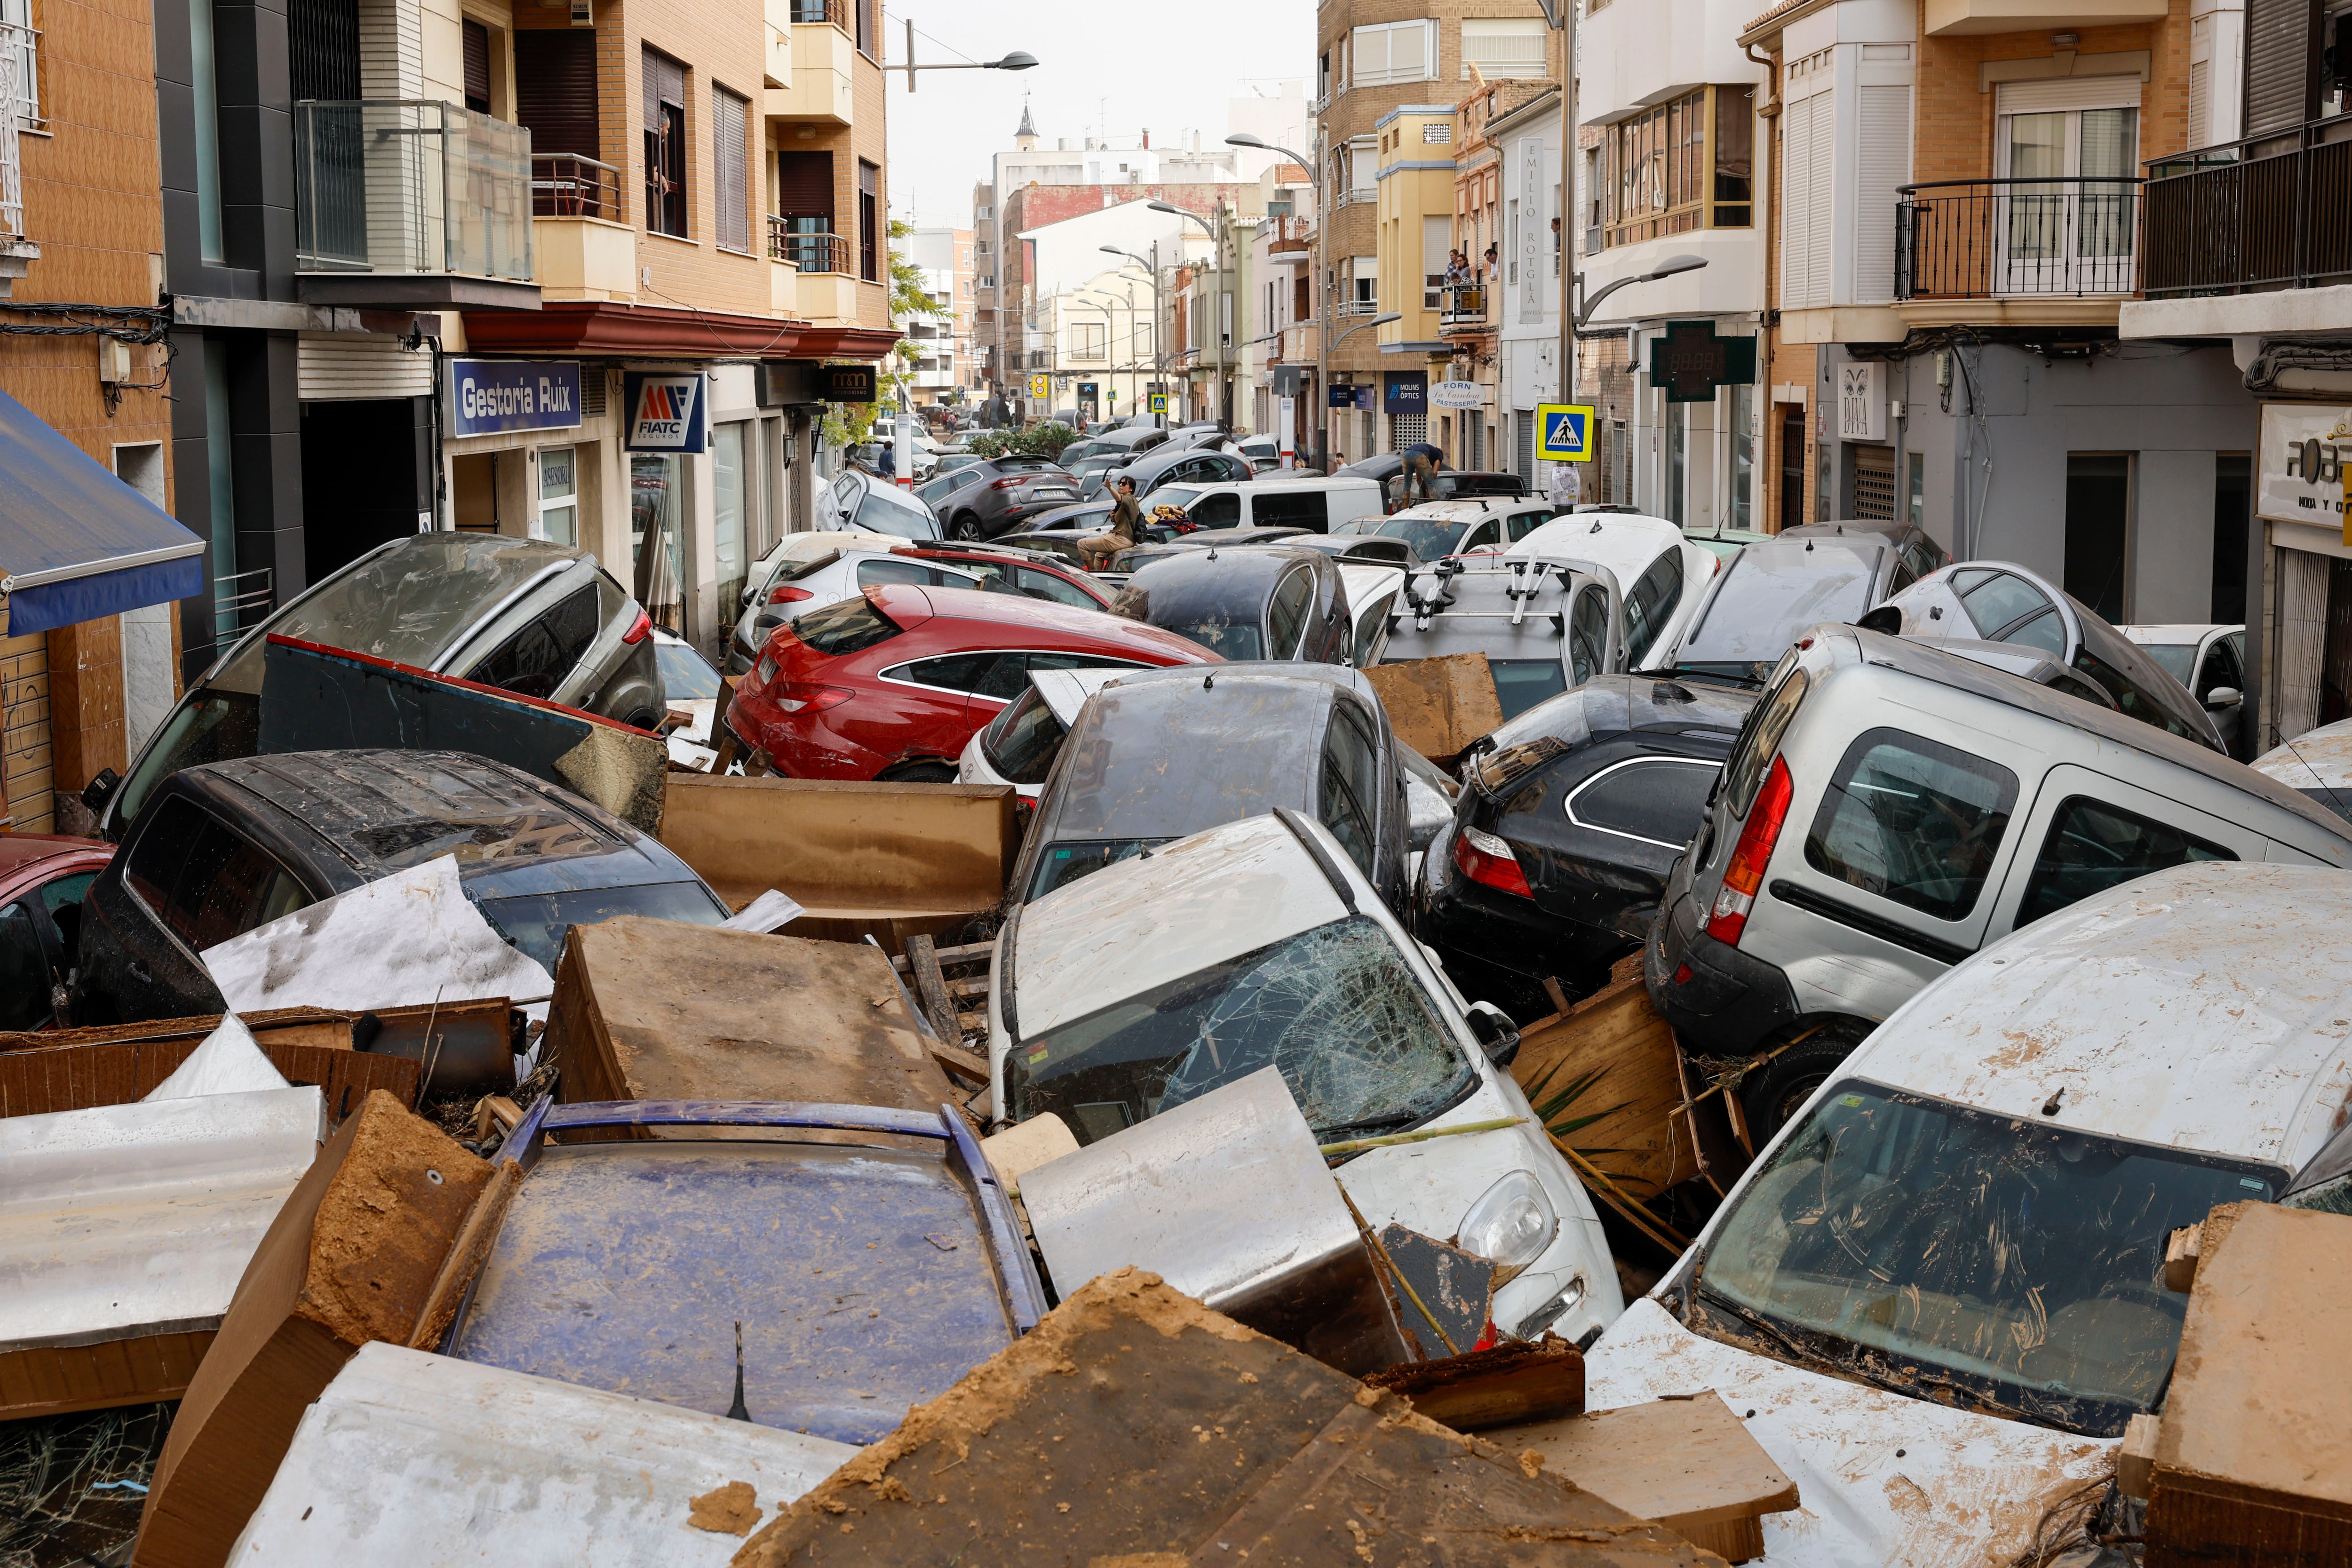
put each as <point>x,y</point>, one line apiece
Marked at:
<point>99,790</point>
<point>2224,697</point>
<point>1497,1035</point>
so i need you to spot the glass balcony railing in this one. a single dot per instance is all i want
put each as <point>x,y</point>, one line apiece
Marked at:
<point>402,185</point>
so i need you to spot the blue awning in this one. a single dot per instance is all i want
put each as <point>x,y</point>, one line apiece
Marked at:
<point>75,543</point>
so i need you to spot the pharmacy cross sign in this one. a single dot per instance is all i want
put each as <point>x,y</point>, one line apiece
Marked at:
<point>1690,361</point>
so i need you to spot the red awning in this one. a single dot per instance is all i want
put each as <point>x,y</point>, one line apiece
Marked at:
<point>584,326</point>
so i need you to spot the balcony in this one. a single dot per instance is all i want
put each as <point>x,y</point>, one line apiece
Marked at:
<point>823,53</point>
<point>582,245</point>
<point>2272,212</point>
<point>2016,252</point>
<point>1462,309</point>
<point>823,286</point>
<point>412,204</point>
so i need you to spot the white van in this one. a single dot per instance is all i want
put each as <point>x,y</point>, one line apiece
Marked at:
<point>1317,505</point>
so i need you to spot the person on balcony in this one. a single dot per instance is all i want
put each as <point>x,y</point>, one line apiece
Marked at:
<point>1457,270</point>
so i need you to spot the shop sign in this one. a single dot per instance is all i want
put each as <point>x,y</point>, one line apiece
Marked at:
<point>1407,391</point>
<point>847,383</point>
<point>2303,472</point>
<point>1689,361</point>
<point>666,412</point>
<point>1458,395</point>
<point>1861,411</point>
<point>490,396</point>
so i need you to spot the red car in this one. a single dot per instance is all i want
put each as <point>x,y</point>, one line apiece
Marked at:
<point>43,876</point>
<point>891,685</point>
<point>1030,572</point>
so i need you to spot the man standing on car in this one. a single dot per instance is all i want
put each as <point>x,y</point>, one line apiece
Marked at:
<point>1420,461</point>
<point>1126,527</point>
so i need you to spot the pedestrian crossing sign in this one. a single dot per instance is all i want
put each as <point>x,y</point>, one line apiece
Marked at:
<point>1159,403</point>
<point>1564,432</point>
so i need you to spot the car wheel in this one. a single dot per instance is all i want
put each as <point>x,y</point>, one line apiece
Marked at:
<point>931,772</point>
<point>642,719</point>
<point>966,527</point>
<point>1774,1092</point>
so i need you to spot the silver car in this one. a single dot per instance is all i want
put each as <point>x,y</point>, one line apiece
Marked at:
<point>1888,810</point>
<point>1544,625</point>
<point>523,615</point>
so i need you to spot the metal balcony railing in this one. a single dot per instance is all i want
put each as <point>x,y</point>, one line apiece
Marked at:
<point>409,186</point>
<point>242,600</point>
<point>806,251</point>
<point>2270,212</point>
<point>834,11</point>
<point>1990,239</point>
<point>19,78</point>
<point>1461,308</point>
<point>564,185</point>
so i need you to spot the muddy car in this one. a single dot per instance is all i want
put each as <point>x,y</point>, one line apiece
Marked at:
<point>1937,1296</point>
<point>1246,604</point>
<point>538,619</point>
<point>1168,753</point>
<point>1545,625</point>
<point>1260,945</point>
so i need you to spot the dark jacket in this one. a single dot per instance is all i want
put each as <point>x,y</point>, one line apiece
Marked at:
<point>1125,520</point>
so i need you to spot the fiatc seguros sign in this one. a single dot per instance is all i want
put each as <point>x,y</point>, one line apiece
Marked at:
<point>666,412</point>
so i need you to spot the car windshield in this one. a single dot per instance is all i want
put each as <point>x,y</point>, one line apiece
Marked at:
<point>1021,742</point>
<point>1521,683</point>
<point>881,512</point>
<point>535,923</point>
<point>1769,597</point>
<point>1333,1007</point>
<point>2177,659</point>
<point>1950,1254</point>
<point>1430,538</point>
<point>850,627</point>
<point>686,676</point>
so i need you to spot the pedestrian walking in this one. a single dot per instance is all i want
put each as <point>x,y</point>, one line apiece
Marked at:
<point>887,462</point>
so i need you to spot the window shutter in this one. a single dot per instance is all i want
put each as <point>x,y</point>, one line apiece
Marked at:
<point>1819,234</point>
<point>805,187</point>
<point>1409,50</point>
<point>477,48</point>
<point>732,176</point>
<point>556,91</point>
<point>2282,44</point>
<point>1795,201</point>
<point>1503,46</point>
<point>1371,56</point>
<point>1884,163</point>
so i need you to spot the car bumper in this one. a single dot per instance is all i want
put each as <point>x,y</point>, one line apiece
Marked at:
<point>802,745</point>
<point>1720,1001</point>
<point>1457,915</point>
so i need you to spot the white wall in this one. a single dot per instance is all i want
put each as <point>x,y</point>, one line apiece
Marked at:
<point>1069,253</point>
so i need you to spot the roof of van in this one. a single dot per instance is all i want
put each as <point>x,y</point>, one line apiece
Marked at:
<point>2202,1007</point>
<point>1310,482</point>
<point>2316,758</point>
<point>1931,663</point>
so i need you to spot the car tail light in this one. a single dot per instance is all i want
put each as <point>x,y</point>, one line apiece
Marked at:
<point>767,667</point>
<point>1486,860</point>
<point>806,696</point>
<point>638,628</point>
<point>1006,484</point>
<point>785,593</point>
<point>1745,872</point>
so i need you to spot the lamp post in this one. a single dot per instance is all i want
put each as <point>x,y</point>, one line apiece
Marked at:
<point>1152,270</point>
<point>1216,233</point>
<point>1018,60</point>
<point>1571,325</point>
<point>1112,359</point>
<point>1322,304</point>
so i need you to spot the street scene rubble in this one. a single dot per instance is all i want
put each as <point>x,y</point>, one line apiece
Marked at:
<point>1587,801</point>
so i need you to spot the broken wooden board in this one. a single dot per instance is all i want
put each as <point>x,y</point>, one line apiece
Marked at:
<point>1686,1463</point>
<point>350,1260</point>
<point>1509,1385</point>
<point>648,1009</point>
<point>1438,706</point>
<point>1253,1453</point>
<point>890,861</point>
<point>69,1076</point>
<point>2253,1463</point>
<point>1616,1039</point>
<point>1447,1291</point>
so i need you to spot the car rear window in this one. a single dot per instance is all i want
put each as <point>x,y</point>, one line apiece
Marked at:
<point>1021,742</point>
<point>1769,597</point>
<point>534,661</point>
<point>850,627</point>
<point>1658,800</point>
<point>537,923</point>
<point>1521,683</point>
<point>1912,820</point>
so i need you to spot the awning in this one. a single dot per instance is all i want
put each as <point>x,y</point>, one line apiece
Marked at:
<point>75,543</point>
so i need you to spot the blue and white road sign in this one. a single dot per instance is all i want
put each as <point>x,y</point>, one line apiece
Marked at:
<point>1564,432</point>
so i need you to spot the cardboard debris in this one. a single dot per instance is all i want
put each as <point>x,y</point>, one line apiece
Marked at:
<point>648,1009</point>
<point>1616,1038</point>
<point>769,912</point>
<point>1254,1453</point>
<point>1688,1464</point>
<point>890,861</point>
<point>412,939</point>
<point>227,1062</point>
<point>1023,1147</point>
<point>2253,1463</point>
<point>319,699</point>
<point>1438,706</point>
<point>1186,1194</point>
<point>411,1460</point>
<point>349,1260</point>
<point>1509,1385</point>
<point>115,1064</point>
<point>124,1232</point>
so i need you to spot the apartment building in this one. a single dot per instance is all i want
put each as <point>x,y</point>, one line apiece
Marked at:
<point>90,561</point>
<point>949,371</point>
<point>1389,74</point>
<point>2246,254</point>
<point>432,259</point>
<point>1492,320</point>
<point>1281,334</point>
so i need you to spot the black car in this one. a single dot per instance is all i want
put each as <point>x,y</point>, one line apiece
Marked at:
<point>1001,494</point>
<point>1246,604</point>
<point>1172,464</point>
<point>226,846</point>
<point>1163,540</point>
<point>1570,821</point>
<point>1166,753</point>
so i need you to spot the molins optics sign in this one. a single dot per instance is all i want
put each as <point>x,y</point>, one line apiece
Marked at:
<point>666,412</point>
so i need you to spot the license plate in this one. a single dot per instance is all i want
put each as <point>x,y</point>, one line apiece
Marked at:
<point>1054,495</point>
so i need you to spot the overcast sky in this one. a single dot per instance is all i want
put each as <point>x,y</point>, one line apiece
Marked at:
<point>1168,71</point>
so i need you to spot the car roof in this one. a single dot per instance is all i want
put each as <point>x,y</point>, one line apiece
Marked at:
<point>1929,662</point>
<point>1470,509</point>
<point>2200,1008</point>
<point>1184,582</point>
<point>1210,897</point>
<point>2173,631</point>
<point>21,849</point>
<point>2316,758</point>
<point>1018,612</point>
<point>1623,704</point>
<point>1065,691</point>
<point>1625,544</point>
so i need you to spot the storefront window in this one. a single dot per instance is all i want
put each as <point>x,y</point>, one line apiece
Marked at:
<point>728,492</point>
<point>559,495</point>
<point>657,536</point>
<point>1743,455</point>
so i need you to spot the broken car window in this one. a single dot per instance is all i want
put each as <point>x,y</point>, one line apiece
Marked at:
<point>1927,1247</point>
<point>1334,1007</point>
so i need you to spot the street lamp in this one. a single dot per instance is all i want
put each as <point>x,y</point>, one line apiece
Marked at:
<point>1671,266</point>
<point>1216,233</point>
<point>1111,359</point>
<point>1152,269</point>
<point>1018,60</point>
<point>1322,305</point>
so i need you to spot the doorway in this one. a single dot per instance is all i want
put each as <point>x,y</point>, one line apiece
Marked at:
<point>1792,466</point>
<point>2233,488</point>
<point>2098,512</point>
<point>2071,229</point>
<point>366,477</point>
